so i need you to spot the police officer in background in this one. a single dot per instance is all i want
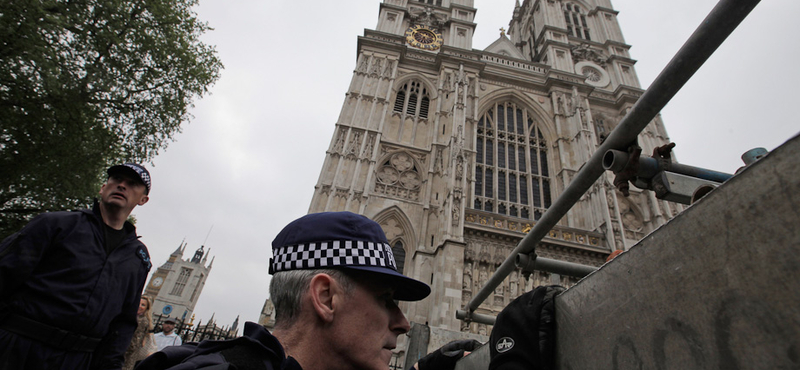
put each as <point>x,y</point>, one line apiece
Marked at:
<point>70,282</point>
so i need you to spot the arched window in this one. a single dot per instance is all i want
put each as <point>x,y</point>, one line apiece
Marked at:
<point>432,2</point>
<point>399,255</point>
<point>511,169</point>
<point>576,21</point>
<point>412,98</point>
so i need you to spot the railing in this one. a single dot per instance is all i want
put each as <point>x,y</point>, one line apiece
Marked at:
<point>717,26</point>
<point>395,363</point>
<point>194,333</point>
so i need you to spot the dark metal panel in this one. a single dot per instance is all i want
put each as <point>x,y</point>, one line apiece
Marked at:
<point>716,287</point>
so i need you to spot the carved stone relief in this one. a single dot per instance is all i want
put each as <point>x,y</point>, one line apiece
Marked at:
<point>367,153</point>
<point>377,63</point>
<point>399,177</point>
<point>585,52</point>
<point>338,147</point>
<point>355,144</point>
<point>427,17</point>
<point>392,229</point>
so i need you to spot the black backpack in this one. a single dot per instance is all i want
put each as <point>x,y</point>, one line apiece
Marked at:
<point>523,337</point>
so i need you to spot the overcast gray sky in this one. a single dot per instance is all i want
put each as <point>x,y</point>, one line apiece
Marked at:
<point>241,167</point>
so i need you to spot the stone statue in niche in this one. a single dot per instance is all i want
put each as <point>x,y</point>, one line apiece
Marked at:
<point>459,167</point>
<point>367,153</point>
<point>362,66</point>
<point>461,78</point>
<point>427,17</point>
<point>355,143</point>
<point>610,199</point>
<point>456,205</point>
<point>447,85</point>
<point>570,104</point>
<point>388,71</point>
<point>339,146</point>
<point>498,257</point>
<point>376,66</point>
<point>437,164</point>
<point>560,104</point>
<point>484,255</point>
<point>512,285</point>
<point>469,252</point>
<point>463,82</point>
<point>584,122</point>
<point>499,290</point>
<point>468,277</point>
<point>617,237</point>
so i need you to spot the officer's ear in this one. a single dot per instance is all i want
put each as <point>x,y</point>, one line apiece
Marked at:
<point>144,200</point>
<point>322,290</point>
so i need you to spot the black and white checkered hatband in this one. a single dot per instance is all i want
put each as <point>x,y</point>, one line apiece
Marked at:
<point>332,254</point>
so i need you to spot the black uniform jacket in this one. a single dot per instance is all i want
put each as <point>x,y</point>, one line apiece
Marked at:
<point>256,349</point>
<point>56,271</point>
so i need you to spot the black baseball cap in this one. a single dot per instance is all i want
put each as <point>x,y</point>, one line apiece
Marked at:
<point>342,240</point>
<point>135,170</point>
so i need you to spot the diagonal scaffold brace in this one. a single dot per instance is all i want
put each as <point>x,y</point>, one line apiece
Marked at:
<point>714,29</point>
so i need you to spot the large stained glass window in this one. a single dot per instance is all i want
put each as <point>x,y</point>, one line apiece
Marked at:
<point>511,168</point>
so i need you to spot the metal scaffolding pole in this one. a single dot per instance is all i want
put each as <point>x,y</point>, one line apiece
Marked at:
<point>714,29</point>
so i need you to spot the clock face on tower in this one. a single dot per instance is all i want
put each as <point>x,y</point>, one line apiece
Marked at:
<point>422,37</point>
<point>158,281</point>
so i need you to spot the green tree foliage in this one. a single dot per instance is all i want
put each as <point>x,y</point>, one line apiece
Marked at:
<point>89,83</point>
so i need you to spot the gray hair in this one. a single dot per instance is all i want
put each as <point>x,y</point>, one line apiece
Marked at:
<point>287,287</point>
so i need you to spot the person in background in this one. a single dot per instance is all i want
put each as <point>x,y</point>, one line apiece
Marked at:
<point>167,337</point>
<point>143,343</point>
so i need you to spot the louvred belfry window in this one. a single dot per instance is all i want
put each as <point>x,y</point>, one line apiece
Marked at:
<point>412,99</point>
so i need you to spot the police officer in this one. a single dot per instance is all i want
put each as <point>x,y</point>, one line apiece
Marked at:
<point>70,282</point>
<point>335,288</point>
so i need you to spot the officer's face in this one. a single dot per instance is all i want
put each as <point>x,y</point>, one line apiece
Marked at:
<point>124,192</point>
<point>368,326</point>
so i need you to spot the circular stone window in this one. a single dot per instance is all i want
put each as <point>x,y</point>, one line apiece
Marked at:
<point>595,75</point>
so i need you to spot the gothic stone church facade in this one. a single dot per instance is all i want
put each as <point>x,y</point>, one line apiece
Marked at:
<point>457,152</point>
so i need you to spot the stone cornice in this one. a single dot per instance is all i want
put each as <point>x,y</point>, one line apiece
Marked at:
<point>517,228</point>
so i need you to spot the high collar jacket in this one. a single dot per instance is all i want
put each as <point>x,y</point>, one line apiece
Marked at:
<point>256,349</point>
<point>56,271</point>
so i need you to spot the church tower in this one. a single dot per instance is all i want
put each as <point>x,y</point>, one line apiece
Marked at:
<point>457,152</point>
<point>176,285</point>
